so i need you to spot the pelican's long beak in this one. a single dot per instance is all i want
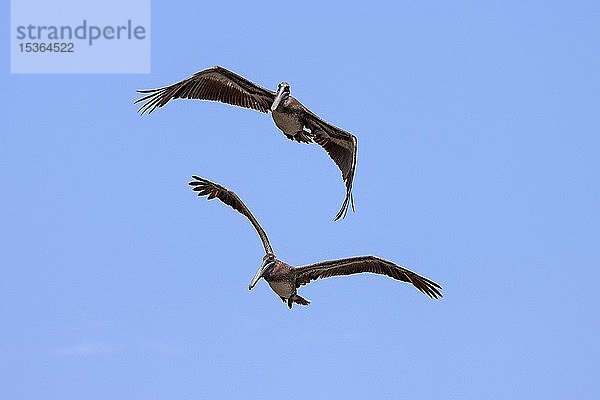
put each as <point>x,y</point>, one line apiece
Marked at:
<point>278,98</point>
<point>259,274</point>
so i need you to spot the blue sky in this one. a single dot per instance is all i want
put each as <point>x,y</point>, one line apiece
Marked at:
<point>478,159</point>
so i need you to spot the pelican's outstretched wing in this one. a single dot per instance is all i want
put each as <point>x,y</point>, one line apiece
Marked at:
<point>205,187</point>
<point>216,83</point>
<point>341,147</point>
<point>356,265</point>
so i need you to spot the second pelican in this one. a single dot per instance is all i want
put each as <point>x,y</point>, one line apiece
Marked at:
<point>285,279</point>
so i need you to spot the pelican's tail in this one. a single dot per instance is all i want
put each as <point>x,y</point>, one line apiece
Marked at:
<point>298,300</point>
<point>300,137</point>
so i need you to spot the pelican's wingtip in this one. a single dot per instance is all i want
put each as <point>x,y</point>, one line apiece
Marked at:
<point>349,200</point>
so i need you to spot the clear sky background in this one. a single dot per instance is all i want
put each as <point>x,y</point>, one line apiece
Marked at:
<point>478,128</point>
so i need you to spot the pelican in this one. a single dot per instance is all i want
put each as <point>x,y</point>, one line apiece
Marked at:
<point>291,117</point>
<point>285,279</point>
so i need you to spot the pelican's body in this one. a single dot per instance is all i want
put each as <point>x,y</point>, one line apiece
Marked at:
<point>282,279</point>
<point>290,116</point>
<point>285,279</point>
<point>287,121</point>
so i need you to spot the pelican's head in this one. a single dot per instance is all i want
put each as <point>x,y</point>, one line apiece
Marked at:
<point>267,264</point>
<point>283,91</point>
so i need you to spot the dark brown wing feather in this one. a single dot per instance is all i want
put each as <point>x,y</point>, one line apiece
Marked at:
<point>216,83</point>
<point>357,265</point>
<point>341,147</point>
<point>205,187</point>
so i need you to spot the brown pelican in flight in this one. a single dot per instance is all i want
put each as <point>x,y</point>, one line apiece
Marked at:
<point>284,279</point>
<point>291,117</point>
